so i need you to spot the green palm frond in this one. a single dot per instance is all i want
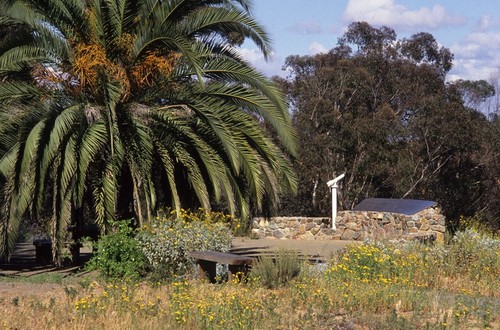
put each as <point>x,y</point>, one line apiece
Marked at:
<point>91,143</point>
<point>17,91</point>
<point>216,19</point>
<point>80,129</point>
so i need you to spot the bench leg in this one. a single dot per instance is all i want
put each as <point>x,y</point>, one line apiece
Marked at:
<point>233,270</point>
<point>208,269</point>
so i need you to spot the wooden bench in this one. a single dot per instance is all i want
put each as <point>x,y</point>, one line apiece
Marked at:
<point>207,262</point>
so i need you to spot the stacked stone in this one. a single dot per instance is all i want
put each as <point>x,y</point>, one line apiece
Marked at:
<point>293,228</point>
<point>428,224</point>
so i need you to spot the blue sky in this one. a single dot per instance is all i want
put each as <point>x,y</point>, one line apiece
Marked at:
<point>469,28</point>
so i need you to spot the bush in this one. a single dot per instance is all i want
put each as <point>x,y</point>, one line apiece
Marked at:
<point>167,240</point>
<point>478,224</point>
<point>474,255</point>
<point>275,271</point>
<point>118,255</point>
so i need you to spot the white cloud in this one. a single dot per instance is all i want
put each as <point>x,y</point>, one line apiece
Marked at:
<point>256,59</point>
<point>471,69</point>
<point>476,57</point>
<point>317,48</point>
<point>387,12</point>
<point>488,39</point>
<point>487,22</point>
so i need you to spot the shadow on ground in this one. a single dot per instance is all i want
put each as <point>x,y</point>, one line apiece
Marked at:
<point>23,263</point>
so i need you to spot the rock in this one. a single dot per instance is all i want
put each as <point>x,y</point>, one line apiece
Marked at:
<point>413,230</point>
<point>327,231</point>
<point>302,230</point>
<point>353,226</point>
<point>307,236</point>
<point>315,230</point>
<point>263,222</point>
<point>310,226</point>
<point>278,234</point>
<point>348,235</point>
<point>438,228</point>
<point>336,237</point>
<point>424,227</point>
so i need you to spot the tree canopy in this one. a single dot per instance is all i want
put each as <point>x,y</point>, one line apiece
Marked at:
<point>379,109</point>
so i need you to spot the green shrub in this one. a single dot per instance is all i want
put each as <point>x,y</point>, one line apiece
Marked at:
<point>118,255</point>
<point>275,271</point>
<point>167,240</point>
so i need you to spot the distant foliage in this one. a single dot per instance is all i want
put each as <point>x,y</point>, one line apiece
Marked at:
<point>478,224</point>
<point>167,240</point>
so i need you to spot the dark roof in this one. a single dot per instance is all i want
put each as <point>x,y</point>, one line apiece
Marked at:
<point>402,206</point>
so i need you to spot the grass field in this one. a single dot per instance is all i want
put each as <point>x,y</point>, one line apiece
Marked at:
<point>369,286</point>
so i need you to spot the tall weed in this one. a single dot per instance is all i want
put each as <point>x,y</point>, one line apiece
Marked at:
<point>273,271</point>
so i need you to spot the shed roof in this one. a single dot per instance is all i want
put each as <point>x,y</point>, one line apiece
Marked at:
<point>393,205</point>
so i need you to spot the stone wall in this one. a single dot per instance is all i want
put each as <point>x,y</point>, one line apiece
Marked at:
<point>428,224</point>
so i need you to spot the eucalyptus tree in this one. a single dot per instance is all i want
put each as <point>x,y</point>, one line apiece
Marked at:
<point>379,109</point>
<point>121,107</point>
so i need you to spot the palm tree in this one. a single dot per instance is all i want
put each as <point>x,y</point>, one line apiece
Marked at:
<point>122,107</point>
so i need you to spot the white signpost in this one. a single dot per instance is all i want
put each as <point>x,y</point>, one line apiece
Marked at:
<point>332,184</point>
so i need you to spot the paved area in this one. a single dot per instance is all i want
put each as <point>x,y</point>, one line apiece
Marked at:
<point>321,249</point>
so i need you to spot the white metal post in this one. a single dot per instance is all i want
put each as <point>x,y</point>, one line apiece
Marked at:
<point>333,185</point>
<point>334,206</point>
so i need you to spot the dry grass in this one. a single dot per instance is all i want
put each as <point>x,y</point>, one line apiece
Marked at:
<point>424,288</point>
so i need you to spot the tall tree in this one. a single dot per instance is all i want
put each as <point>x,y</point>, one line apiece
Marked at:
<point>128,106</point>
<point>379,109</point>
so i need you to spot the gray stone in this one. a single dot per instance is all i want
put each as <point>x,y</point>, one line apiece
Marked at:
<point>353,226</point>
<point>438,228</point>
<point>348,235</point>
<point>327,231</point>
<point>278,234</point>
<point>310,226</point>
<point>358,236</point>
